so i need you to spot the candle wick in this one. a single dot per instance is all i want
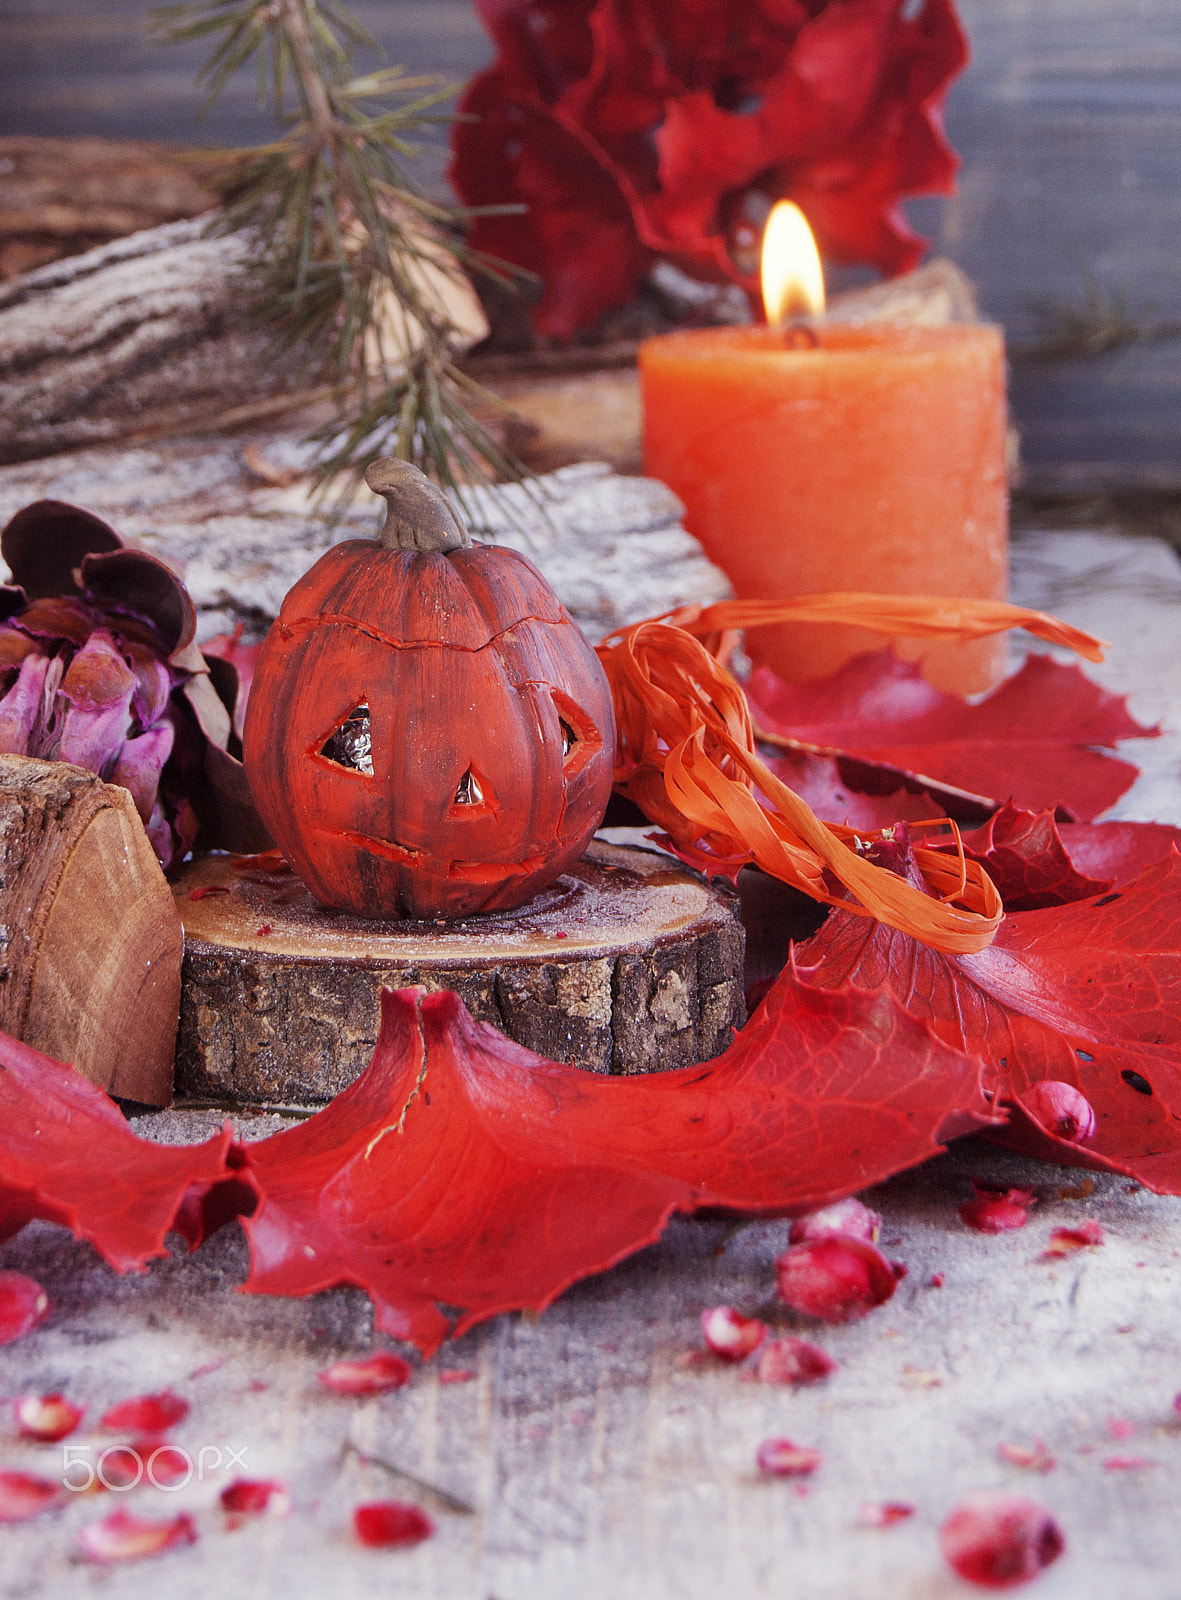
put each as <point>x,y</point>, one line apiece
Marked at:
<point>800,334</point>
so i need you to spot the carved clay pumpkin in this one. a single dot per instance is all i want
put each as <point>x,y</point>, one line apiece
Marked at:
<point>428,732</point>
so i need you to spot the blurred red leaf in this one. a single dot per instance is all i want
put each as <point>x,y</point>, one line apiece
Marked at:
<point>1037,741</point>
<point>643,129</point>
<point>462,1169</point>
<point>1083,994</point>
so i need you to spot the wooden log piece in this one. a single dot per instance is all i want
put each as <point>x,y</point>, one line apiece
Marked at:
<point>625,964</point>
<point>90,939</point>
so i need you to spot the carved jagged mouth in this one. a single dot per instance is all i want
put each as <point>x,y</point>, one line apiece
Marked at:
<point>435,866</point>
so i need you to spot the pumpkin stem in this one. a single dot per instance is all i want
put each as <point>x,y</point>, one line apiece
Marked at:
<point>419,516</point>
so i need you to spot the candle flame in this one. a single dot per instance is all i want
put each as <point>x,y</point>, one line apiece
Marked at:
<point>793,281</point>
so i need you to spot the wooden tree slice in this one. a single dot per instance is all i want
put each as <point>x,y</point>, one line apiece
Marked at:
<point>91,940</point>
<point>624,964</point>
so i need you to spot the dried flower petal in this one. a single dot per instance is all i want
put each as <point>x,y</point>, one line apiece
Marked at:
<point>730,1335</point>
<point>780,1458</point>
<point>883,1513</point>
<point>147,1413</point>
<point>374,1375</point>
<point>24,1495</point>
<point>48,1417</point>
<point>794,1361</point>
<point>23,1304</point>
<point>252,1497</point>
<point>1061,1109</point>
<point>848,1218</point>
<point>391,1522</point>
<point>1120,1428</point>
<point>1126,1463</point>
<point>995,1208</point>
<point>837,1279</point>
<point>999,1540</point>
<point>1033,1458</point>
<point>124,1537</point>
<point>1066,1241</point>
<point>457,1375</point>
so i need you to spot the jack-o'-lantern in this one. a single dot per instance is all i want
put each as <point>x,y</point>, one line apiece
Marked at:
<point>428,733</point>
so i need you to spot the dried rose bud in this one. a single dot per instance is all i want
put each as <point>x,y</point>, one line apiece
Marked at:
<point>391,1523</point>
<point>794,1361</point>
<point>374,1375</point>
<point>729,1334</point>
<point>999,1540</point>
<point>779,1458</point>
<point>48,1417</point>
<point>837,1279</point>
<point>1061,1109</point>
<point>849,1218</point>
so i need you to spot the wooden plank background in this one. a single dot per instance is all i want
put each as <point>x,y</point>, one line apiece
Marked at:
<point>1069,123</point>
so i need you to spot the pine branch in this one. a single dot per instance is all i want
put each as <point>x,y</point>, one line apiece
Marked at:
<point>353,260</point>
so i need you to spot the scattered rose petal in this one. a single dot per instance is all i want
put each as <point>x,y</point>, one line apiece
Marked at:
<point>921,1378</point>
<point>1061,1109</point>
<point>1120,1428</point>
<point>23,1304</point>
<point>23,1495</point>
<point>779,1458</point>
<point>391,1522</point>
<point>1065,1241</point>
<point>935,1281</point>
<point>729,1334</point>
<point>457,1375</point>
<point>837,1279</point>
<point>1177,1402</point>
<point>794,1361</point>
<point>252,1497</point>
<point>1126,1463</point>
<point>1033,1458</point>
<point>165,1465</point>
<point>147,1413</point>
<point>263,928</point>
<point>207,889</point>
<point>374,1375</point>
<point>999,1540</point>
<point>883,1513</point>
<point>847,1218</point>
<point>124,1537</point>
<point>48,1417</point>
<point>209,1366</point>
<point>996,1209</point>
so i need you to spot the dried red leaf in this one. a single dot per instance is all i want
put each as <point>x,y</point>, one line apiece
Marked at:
<point>780,1458</point>
<point>850,1218</point>
<point>463,1169</point>
<point>999,1540</point>
<point>386,1523</point>
<point>23,1302</point>
<point>1067,1241</point>
<point>254,1497</point>
<point>374,1374</point>
<point>883,1513</point>
<point>68,1156</point>
<point>730,1335</point>
<point>794,1361</point>
<point>1033,1458</point>
<point>23,1495</point>
<point>1037,740</point>
<point>48,1417</point>
<point>837,1279</point>
<point>1080,994</point>
<point>147,1413</point>
<point>632,130</point>
<point>124,1537</point>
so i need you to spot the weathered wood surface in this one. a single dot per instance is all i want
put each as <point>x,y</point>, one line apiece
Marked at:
<point>90,940</point>
<point>1068,122</point>
<point>627,963</point>
<point>237,516</point>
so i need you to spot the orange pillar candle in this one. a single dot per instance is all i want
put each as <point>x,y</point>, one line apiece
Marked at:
<point>836,456</point>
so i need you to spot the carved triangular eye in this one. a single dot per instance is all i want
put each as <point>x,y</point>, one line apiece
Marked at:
<point>569,737</point>
<point>350,745</point>
<point>469,792</point>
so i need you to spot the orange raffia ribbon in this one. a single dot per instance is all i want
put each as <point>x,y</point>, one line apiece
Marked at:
<point>687,756</point>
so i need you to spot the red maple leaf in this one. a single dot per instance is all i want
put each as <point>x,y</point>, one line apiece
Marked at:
<point>1084,993</point>
<point>1038,740</point>
<point>632,128</point>
<point>68,1156</point>
<point>462,1170</point>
